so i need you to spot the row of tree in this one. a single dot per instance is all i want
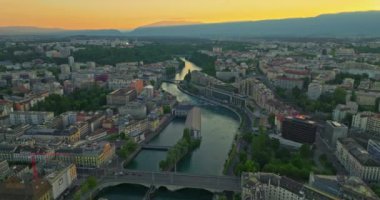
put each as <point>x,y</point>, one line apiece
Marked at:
<point>184,146</point>
<point>127,148</point>
<point>88,99</point>
<point>268,156</point>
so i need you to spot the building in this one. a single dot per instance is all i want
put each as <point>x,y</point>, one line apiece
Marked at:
<point>17,189</point>
<point>314,90</point>
<point>288,83</point>
<point>137,85</point>
<point>62,179</point>
<point>149,91</point>
<point>90,155</point>
<point>136,127</point>
<point>373,124</point>
<point>136,110</point>
<point>373,149</point>
<point>121,97</point>
<point>357,161</point>
<point>71,61</point>
<point>342,187</point>
<point>153,121</point>
<point>194,122</point>
<point>4,169</point>
<point>182,109</point>
<point>333,131</point>
<point>65,69</point>
<point>69,135</point>
<point>30,117</point>
<point>365,98</point>
<point>6,108</point>
<point>360,120</point>
<point>299,130</point>
<point>260,186</point>
<point>340,112</point>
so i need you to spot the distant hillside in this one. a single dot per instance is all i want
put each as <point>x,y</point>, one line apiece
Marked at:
<point>28,30</point>
<point>170,23</point>
<point>355,24</point>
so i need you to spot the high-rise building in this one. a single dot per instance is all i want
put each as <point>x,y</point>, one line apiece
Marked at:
<point>373,124</point>
<point>373,149</point>
<point>360,120</point>
<point>71,61</point>
<point>333,131</point>
<point>299,130</point>
<point>314,90</point>
<point>65,69</point>
<point>356,160</point>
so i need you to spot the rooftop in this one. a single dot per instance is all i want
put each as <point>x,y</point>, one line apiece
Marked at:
<point>358,152</point>
<point>193,119</point>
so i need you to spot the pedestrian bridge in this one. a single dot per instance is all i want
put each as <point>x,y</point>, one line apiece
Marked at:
<point>155,147</point>
<point>172,181</point>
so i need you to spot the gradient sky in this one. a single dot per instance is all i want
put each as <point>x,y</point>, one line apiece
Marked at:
<point>127,14</point>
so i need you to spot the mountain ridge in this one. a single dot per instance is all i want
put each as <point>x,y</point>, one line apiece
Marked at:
<point>347,24</point>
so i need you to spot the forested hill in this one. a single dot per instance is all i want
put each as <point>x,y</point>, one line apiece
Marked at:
<point>355,24</point>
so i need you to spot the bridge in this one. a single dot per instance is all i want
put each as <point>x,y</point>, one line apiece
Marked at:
<point>155,147</point>
<point>171,180</point>
<point>171,81</point>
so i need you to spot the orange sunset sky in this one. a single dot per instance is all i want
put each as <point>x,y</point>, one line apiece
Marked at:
<point>128,14</point>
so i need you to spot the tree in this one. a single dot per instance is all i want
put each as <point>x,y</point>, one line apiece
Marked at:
<point>243,156</point>
<point>296,92</point>
<point>167,109</point>
<point>92,182</point>
<point>305,151</point>
<point>275,144</point>
<point>188,76</point>
<point>186,134</point>
<point>271,119</point>
<point>340,95</point>
<point>353,95</point>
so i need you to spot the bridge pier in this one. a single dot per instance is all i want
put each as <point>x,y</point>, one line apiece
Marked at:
<point>149,193</point>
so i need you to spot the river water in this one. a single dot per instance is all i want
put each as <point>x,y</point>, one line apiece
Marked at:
<point>219,127</point>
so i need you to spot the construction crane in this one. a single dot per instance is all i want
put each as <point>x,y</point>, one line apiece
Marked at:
<point>47,156</point>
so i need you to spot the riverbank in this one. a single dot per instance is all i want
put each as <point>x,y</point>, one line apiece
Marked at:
<point>211,102</point>
<point>228,164</point>
<point>149,137</point>
<point>221,123</point>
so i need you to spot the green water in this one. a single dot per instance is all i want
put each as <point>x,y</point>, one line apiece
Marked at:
<point>219,127</point>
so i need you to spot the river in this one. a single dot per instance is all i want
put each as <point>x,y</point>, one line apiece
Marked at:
<point>219,127</point>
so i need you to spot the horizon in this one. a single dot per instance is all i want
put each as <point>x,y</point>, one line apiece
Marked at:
<point>128,15</point>
<point>182,23</point>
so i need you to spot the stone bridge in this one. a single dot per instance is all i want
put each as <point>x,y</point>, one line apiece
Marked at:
<point>172,181</point>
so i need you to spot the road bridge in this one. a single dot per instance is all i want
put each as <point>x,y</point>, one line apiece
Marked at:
<point>171,180</point>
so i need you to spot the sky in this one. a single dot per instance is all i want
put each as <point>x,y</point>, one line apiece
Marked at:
<point>129,14</point>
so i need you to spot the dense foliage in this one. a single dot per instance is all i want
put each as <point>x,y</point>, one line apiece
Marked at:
<point>326,102</point>
<point>147,53</point>
<point>207,63</point>
<point>167,109</point>
<point>89,99</point>
<point>185,145</point>
<point>90,183</point>
<point>341,76</point>
<point>267,155</point>
<point>127,148</point>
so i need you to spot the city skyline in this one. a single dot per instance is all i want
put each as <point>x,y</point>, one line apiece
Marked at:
<point>123,15</point>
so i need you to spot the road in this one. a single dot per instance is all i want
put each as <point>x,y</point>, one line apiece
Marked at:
<point>214,183</point>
